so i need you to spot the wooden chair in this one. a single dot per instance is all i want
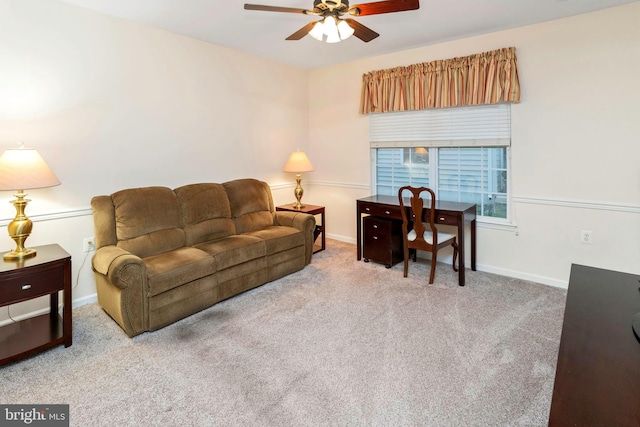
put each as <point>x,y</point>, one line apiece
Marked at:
<point>422,234</point>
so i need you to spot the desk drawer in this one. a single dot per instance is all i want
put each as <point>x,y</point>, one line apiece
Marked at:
<point>368,208</point>
<point>393,212</point>
<point>382,240</point>
<point>446,218</point>
<point>33,285</point>
<point>383,211</point>
<point>377,230</point>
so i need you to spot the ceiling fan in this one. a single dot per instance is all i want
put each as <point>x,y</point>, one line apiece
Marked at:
<point>332,25</point>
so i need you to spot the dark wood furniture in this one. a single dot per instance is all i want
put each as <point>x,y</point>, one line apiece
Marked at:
<point>382,240</point>
<point>45,274</point>
<point>450,213</point>
<point>598,373</point>
<point>422,239</point>
<point>320,228</point>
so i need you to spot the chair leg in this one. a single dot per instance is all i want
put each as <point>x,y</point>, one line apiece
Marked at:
<point>434,260</point>
<point>406,261</point>
<point>455,256</point>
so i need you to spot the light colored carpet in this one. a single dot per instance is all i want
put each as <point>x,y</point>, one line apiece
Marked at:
<point>341,343</point>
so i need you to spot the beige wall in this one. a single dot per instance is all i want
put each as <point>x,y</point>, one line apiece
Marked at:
<point>575,145</point>
<point>111,104</point>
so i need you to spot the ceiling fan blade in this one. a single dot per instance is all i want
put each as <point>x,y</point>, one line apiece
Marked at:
<point>301,32</point>
<point>275,8</point>
<point>387,6</point>
<point>365,34</point>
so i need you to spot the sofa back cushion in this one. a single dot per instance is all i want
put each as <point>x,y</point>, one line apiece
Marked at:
<point>206,212</point>
<point>104,221</point>
<point>148,220</point>
<point>251,204</point>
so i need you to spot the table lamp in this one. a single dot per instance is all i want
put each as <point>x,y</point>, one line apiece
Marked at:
<point>298,162</point>
<point>23,169</point>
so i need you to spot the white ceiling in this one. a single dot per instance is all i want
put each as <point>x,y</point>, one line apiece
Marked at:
<point>226,23</point>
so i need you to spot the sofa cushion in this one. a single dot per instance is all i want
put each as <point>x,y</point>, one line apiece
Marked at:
<point>251,204</point>
<point>206,212</point>
<point>174,268</point>
<point>148,220</point>
<point>278,238</point>
<point>234,250</point>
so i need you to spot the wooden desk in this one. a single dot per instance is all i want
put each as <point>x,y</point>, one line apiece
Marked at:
<point>449,213</point>
<point>598,373</point>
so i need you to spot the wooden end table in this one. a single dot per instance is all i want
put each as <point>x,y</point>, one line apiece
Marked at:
<point>312,210</point>
<point>45,274</point>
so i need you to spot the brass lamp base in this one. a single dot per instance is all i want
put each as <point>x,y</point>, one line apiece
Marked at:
<point>19,229</point>
<point>298,192</point>
<point>17,256</point>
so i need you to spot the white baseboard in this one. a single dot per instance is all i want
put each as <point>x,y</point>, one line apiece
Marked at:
<point>524,276</point>
<point>341,238</point>
<point>24,316</point>
<point>490,269</point>
<point>89,299</point>
<point>75,303</point>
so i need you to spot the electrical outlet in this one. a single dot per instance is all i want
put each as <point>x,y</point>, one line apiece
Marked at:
<point>586,236</point>
<point>88,244</point>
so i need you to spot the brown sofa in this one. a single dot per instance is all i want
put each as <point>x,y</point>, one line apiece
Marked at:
<point>163,254</point>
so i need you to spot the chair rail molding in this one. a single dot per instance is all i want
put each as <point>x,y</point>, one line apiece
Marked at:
<point>580,204</point>
<point>349,185</point>
<point>52,216</point>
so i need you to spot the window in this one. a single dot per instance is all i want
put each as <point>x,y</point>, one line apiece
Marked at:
<point>460,153</point>
<point>395,168</point>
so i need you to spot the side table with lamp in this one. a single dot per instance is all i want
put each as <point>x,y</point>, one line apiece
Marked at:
<point>28,273</point>
<point>297,163</point>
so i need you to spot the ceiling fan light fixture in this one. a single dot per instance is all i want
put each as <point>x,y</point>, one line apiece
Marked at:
<point>334,38</point>
<point>331,29</point>
<point>332,25</point>
<point>317,31</point>
<point>345,30</point>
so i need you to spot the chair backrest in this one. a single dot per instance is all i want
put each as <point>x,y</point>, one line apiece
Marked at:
<point>413,213</point>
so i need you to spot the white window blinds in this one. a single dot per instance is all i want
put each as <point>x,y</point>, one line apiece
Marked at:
<point>477,126</point>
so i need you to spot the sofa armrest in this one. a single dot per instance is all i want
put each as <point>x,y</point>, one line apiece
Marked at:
<point>121,267</point>
<point>121,282</point>
<point>303,222</point>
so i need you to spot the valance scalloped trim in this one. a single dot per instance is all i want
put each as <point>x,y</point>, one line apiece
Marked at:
<point>479,79</point>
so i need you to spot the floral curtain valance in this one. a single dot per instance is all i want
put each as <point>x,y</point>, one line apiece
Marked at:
<point>483,78</point>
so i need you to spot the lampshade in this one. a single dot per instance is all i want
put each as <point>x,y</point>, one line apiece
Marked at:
<point>333,38</point>
<point>317,31</point>
<point>331,29</point>
<point>298,162</point>
<point>345,30</point>
<point>24,169</point>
